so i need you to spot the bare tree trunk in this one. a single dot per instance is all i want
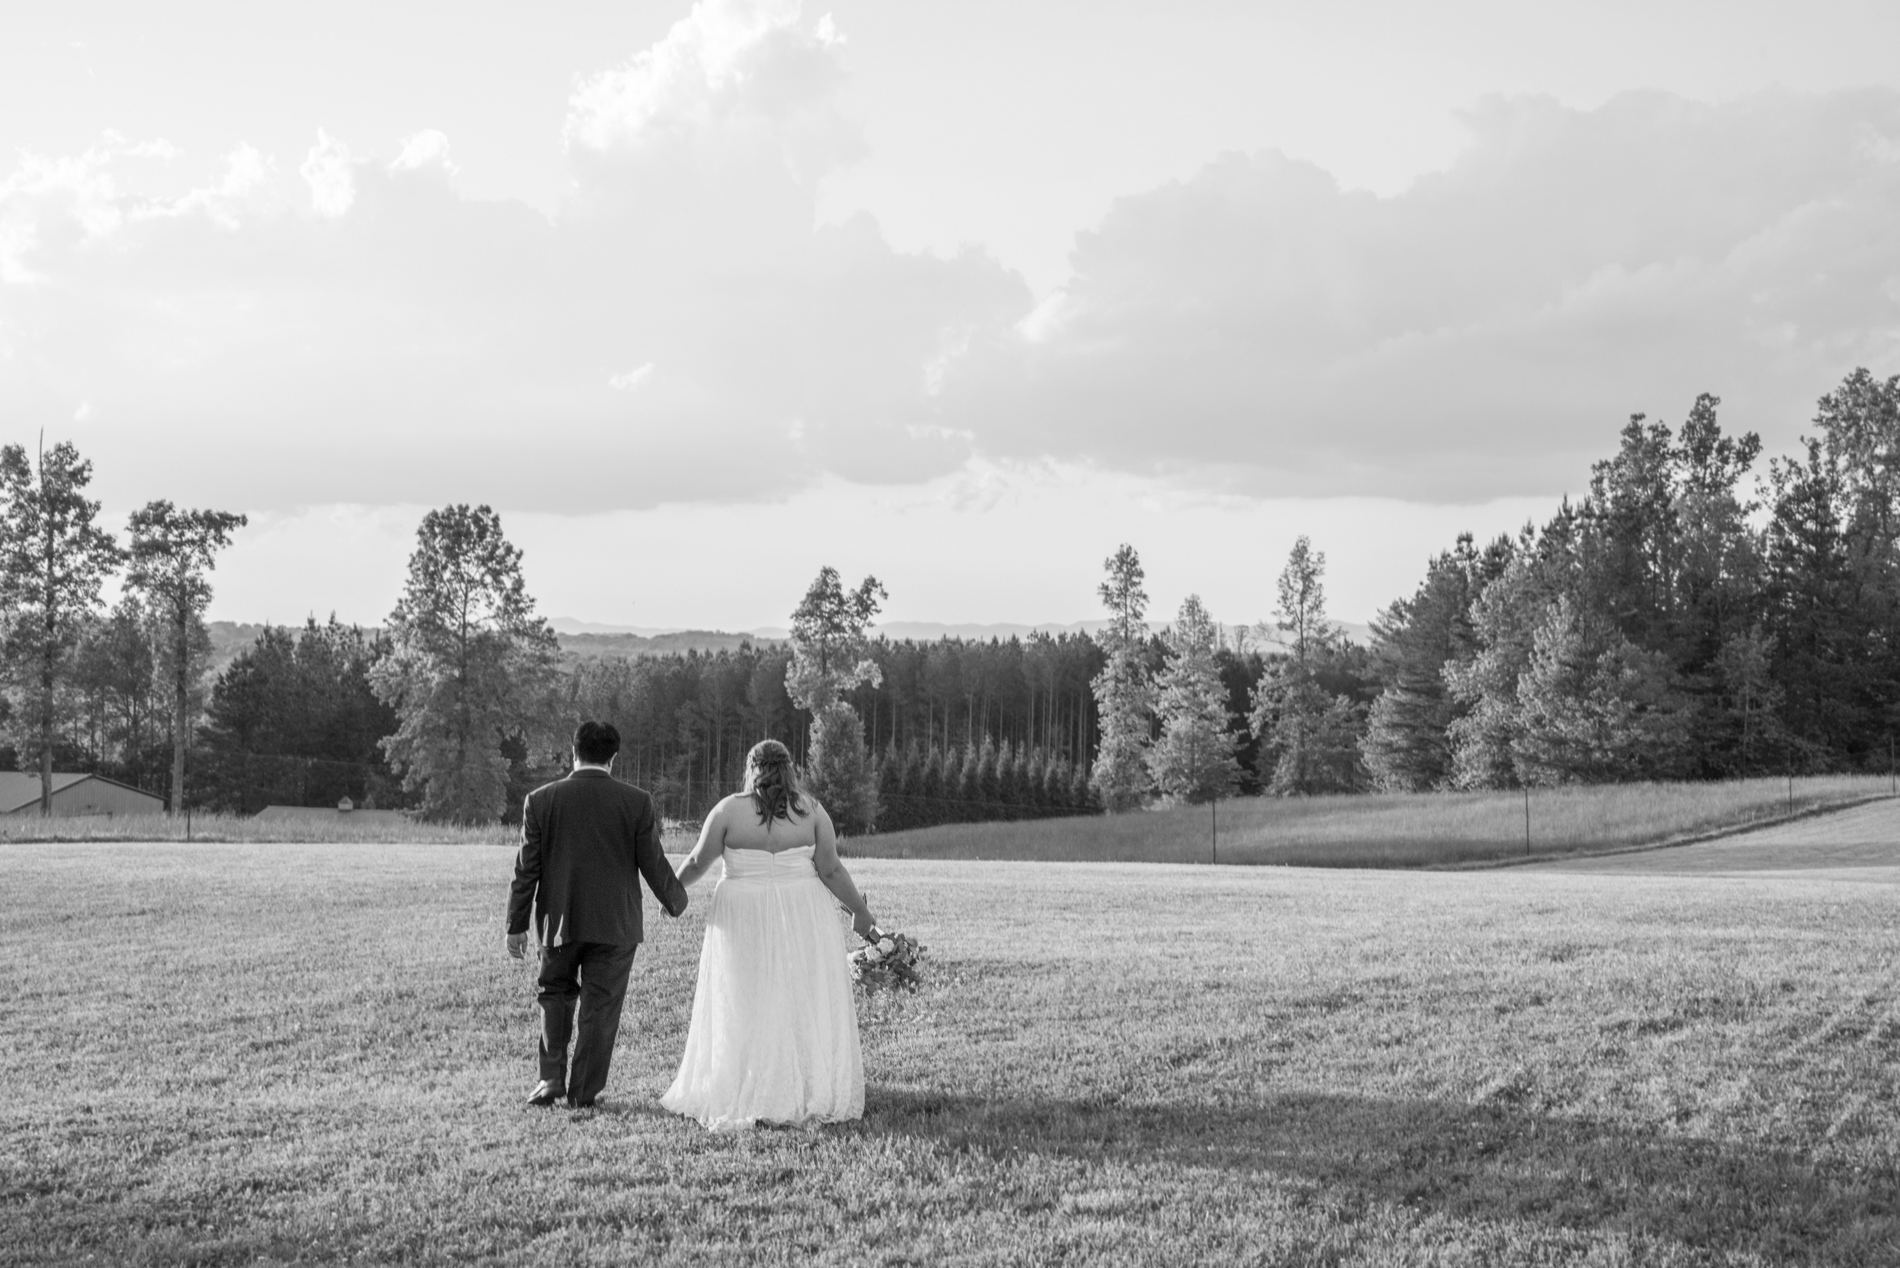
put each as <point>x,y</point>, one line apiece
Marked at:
<point>46,724</point>
<point>180,699</point>
<point>46,747</point>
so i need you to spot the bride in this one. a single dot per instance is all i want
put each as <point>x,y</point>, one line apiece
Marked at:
<point>774,1034</point>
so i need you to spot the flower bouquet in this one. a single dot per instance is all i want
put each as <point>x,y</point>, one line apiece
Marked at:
<point>886,961</point>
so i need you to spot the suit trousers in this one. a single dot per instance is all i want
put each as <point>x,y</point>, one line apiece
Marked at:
<point>594,974</point>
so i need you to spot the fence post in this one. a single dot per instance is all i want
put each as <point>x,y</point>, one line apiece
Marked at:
<point>1527,820</point>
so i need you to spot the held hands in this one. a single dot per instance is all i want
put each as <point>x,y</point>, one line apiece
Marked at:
<point>518,945</point>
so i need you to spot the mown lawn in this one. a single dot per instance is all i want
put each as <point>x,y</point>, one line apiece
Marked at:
<point>241,1054</point>
<point>1393,830</point>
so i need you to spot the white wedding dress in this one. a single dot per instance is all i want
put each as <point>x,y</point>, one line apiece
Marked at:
<point>774,1035</point>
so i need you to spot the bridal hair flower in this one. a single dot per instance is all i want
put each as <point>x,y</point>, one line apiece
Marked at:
<point>886,961</point>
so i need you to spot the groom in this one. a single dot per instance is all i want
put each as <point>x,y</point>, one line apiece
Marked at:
<point>583,839</point>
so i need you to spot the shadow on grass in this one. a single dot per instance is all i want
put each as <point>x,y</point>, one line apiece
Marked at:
<point>1490,1161</point>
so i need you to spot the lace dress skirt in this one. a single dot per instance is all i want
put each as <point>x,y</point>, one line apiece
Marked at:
<point>774,1033</point>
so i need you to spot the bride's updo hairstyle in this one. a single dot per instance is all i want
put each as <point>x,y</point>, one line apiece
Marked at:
<point>772,781</point>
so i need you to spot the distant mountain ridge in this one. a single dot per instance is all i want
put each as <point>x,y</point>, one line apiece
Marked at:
<point>931,631</point>
<point>591,640</point>
<point>594,646</point>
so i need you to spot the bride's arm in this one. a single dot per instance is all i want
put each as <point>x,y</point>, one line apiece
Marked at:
<point>831,871</point>
<point>712,843</point>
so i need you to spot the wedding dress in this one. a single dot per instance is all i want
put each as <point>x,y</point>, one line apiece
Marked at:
<point>774,1034</point>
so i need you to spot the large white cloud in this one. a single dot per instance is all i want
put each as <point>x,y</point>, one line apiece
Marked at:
<point>354,330</point>
<point>343,326</point>
<point>1482,333</point>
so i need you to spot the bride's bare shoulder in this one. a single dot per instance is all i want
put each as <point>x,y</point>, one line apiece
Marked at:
<point>726,807</point>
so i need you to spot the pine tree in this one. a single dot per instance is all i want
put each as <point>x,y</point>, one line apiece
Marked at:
<point>470,667</point>
<point>1751,703</point>
<point>1309,735</point>
<point>53,564</point>
<point>1032,774</point>
<point>1009,779</point>
<point>173,553</point>
<point>1082,795</point>
<point>990,780</point>
<point>1123,690</point>
<point>1504,620</point>
<point>842,769</point>
<point>1595,708</point>
<point>1194,759</point>
<point>931,788</point>
<point>1407,746</point>
<point>970,807</point>
<point>1832,694</point>
<point>893,805</point>
<point>1058,783</point>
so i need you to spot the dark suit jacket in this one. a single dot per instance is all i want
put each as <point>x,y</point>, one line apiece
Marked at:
<point>583,840</point>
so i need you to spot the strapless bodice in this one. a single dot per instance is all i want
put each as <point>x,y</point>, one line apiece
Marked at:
<point>794,864</point>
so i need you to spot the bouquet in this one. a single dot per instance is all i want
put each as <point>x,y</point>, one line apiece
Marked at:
<point>886,961</point>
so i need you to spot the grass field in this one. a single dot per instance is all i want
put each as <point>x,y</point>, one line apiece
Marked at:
<point>1431,829</point>
<point>248,829</point>
<point>1410,830</point>
<point>243,828</point>
<point>231,1054</point>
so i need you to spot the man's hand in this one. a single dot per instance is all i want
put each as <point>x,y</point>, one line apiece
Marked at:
<point>518,945</point>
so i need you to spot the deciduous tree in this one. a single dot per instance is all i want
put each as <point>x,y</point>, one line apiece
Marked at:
<point>828,659</point>
<point>828,640</point>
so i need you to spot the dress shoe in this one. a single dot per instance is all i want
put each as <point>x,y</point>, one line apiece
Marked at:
<point>546,1092</point>
<point>580,1104</point>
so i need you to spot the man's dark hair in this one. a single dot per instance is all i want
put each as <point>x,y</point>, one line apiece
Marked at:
<point>596,743</point>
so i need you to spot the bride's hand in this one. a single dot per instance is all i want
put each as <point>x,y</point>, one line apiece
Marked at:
<point>863,925</point>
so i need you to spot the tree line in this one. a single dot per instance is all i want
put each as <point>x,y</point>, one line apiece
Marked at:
<point>119,688</point>
<point>1689,617</point>
<point>1680,622</point>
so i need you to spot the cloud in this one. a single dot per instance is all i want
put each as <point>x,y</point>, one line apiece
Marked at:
<point>734,65</point>
<point>632,379</point>
<point>347,327</point>
<point>1482,333</point>
<point>427,148</point>
<point>327,170</point>
<point>246,180</point>
<point>366,334</point>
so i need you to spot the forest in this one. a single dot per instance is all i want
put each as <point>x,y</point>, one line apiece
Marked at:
<point>1697,614</point>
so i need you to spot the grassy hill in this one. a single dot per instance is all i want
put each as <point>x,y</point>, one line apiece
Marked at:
<point>1414,830</point>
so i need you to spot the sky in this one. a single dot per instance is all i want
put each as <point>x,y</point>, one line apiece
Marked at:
<point>703,296</point>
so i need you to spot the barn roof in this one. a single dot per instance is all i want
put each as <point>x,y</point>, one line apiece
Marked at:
<point>20,789</point>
